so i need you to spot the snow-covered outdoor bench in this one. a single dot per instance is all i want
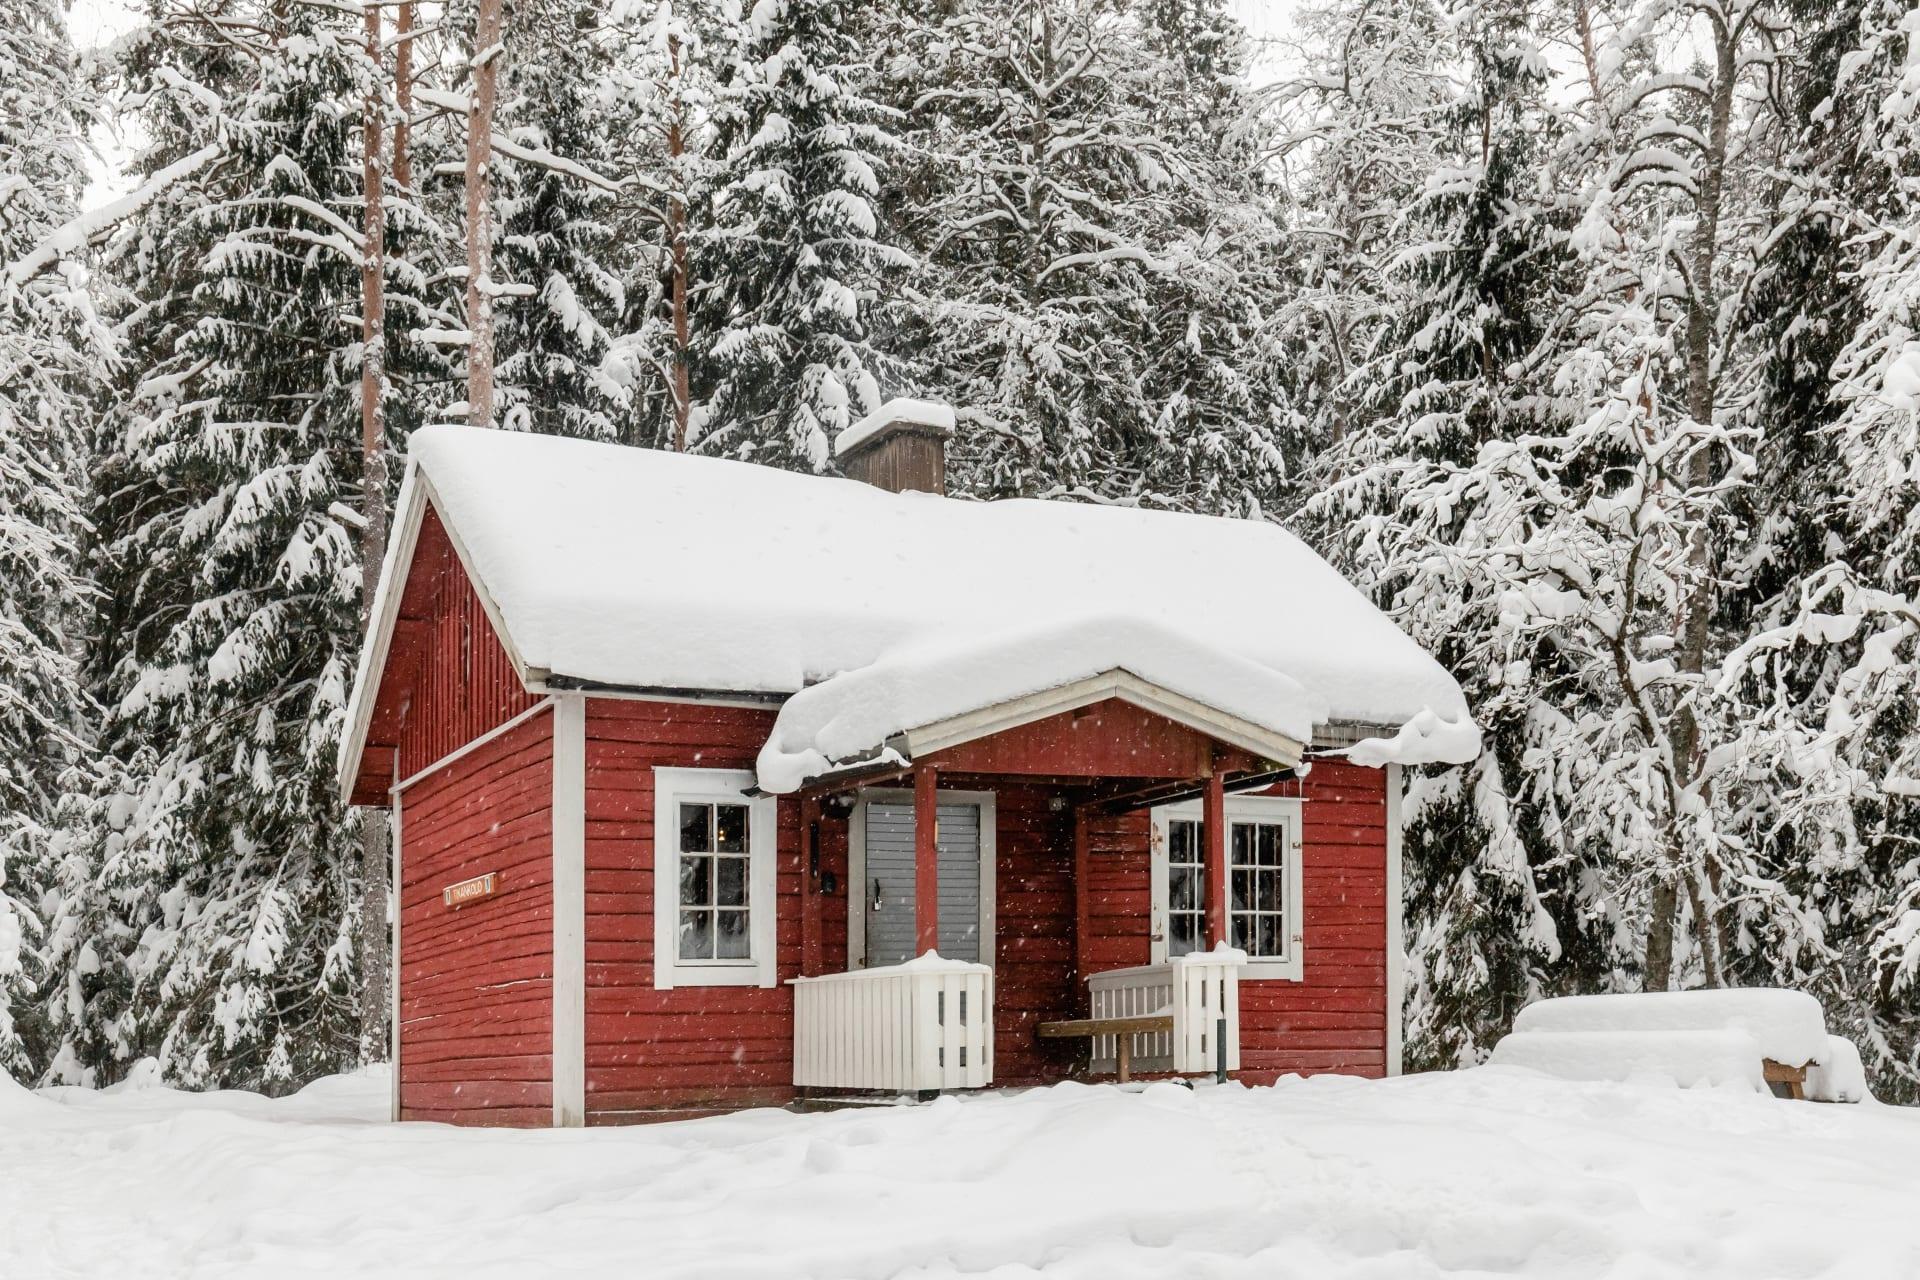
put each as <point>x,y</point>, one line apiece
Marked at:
<point>1762,1037</point>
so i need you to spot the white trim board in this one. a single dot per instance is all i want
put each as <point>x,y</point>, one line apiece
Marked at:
<point>569,912</point>
<point>468,748</point>
<point>988,803</point>
<point>395,905</point>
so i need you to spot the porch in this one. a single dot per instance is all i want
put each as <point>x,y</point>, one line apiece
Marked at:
<point>977,918</point>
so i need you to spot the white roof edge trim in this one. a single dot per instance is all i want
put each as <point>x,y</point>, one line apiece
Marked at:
<point>403,537</point>
<point>416,497</point>
<point>1118,683</point>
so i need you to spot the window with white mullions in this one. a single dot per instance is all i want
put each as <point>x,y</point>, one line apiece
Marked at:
<point>1263,883</point>
<point>1186,889</point>
<point>714,862</point>
<point>1257,890</point>
<point>714,879</point>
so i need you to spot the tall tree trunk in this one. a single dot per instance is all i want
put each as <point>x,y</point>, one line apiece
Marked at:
<point>373,538</point>
<point>1657,972</point>
<point>1697,611</point>
<point>486,62</point>
<point>403,96</point>
<point>677,248</point>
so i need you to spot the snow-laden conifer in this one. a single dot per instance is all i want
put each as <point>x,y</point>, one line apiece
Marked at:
<point>231,566</point>
<point>792,257</point>
<point>52,344</point>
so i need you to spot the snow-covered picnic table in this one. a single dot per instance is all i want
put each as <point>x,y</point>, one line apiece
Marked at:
<point>1760,1037</point>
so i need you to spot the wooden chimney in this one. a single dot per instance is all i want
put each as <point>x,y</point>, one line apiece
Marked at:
<point>900,446</point>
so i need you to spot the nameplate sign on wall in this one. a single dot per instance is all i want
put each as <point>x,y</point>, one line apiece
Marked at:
<point>459,895</point>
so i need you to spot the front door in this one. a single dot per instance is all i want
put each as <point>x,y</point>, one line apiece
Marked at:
<point>883,892</point>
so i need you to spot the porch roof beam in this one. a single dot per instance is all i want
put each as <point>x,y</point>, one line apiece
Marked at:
<point>1180,790</point>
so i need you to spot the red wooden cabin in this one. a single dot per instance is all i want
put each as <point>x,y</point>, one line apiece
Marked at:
<point>714,785</point>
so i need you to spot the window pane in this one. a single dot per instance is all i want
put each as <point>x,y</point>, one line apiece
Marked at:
<point>1243,890</point>
<point>730,882</point>
<point>1180,841</point>
<point>731,941</point>
<point>1183,934</point>
<point>1271,845</point>
<point>1270,889</point>
<point>696,935</point>
<point>1183,889</point>
<point>1243,843</point>
<point>1269,943</point>
<point>696,832</point>
<point>696,882</point>
<point>1240,933</point>
<point>730,828</point>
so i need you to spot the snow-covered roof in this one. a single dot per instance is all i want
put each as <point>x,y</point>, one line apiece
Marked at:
<point>607,565</point>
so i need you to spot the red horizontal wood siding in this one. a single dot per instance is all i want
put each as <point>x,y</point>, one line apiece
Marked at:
<point>476,981</point>
<point>1335,1018</point>
<point>690,1048</point>
<point>651,1052</point>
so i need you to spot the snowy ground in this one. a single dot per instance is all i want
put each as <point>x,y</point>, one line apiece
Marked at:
<point>1496,1171</point>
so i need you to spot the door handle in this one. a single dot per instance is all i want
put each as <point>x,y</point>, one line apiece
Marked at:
<point>878,901</point>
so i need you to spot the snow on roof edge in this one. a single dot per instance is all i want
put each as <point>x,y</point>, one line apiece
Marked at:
<point>856,713</point>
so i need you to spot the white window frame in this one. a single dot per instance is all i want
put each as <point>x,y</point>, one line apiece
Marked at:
<point>1285,810</point>
<point>671,788</point>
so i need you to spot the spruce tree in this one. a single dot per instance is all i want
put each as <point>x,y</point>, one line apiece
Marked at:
<point>51,341</point>
<point>1098,257</point>
<point>231,572</point>
<point>791,255</point>
<point>554,246</point>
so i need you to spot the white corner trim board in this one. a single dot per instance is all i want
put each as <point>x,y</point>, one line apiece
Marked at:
<point>569,911</point>
<point>1396,926</point>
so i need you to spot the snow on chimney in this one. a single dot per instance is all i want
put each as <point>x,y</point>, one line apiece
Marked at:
<point>901,445</point>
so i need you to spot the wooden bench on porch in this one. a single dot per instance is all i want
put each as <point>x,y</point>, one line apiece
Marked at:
<point>1185,1013</point>
<point>1122,1031</point>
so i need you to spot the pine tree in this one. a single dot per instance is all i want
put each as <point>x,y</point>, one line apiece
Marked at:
<point>1817,701</point>
<point>1453,284</point>
<point>232,574</point>
<point>554,244</point>
<point>658,92</point>
<point>50,342</point>
<point>1098,257</point>
<point>791,256</point>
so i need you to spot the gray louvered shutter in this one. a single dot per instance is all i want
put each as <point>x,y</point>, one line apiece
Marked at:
<point>890,929</point>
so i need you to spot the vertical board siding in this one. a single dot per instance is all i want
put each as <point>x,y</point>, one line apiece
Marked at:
<point>476,982</point>
<point>462,682</point>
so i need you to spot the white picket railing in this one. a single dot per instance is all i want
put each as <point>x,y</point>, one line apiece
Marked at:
<point>923,1025</point>
<point>1197,989</point>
